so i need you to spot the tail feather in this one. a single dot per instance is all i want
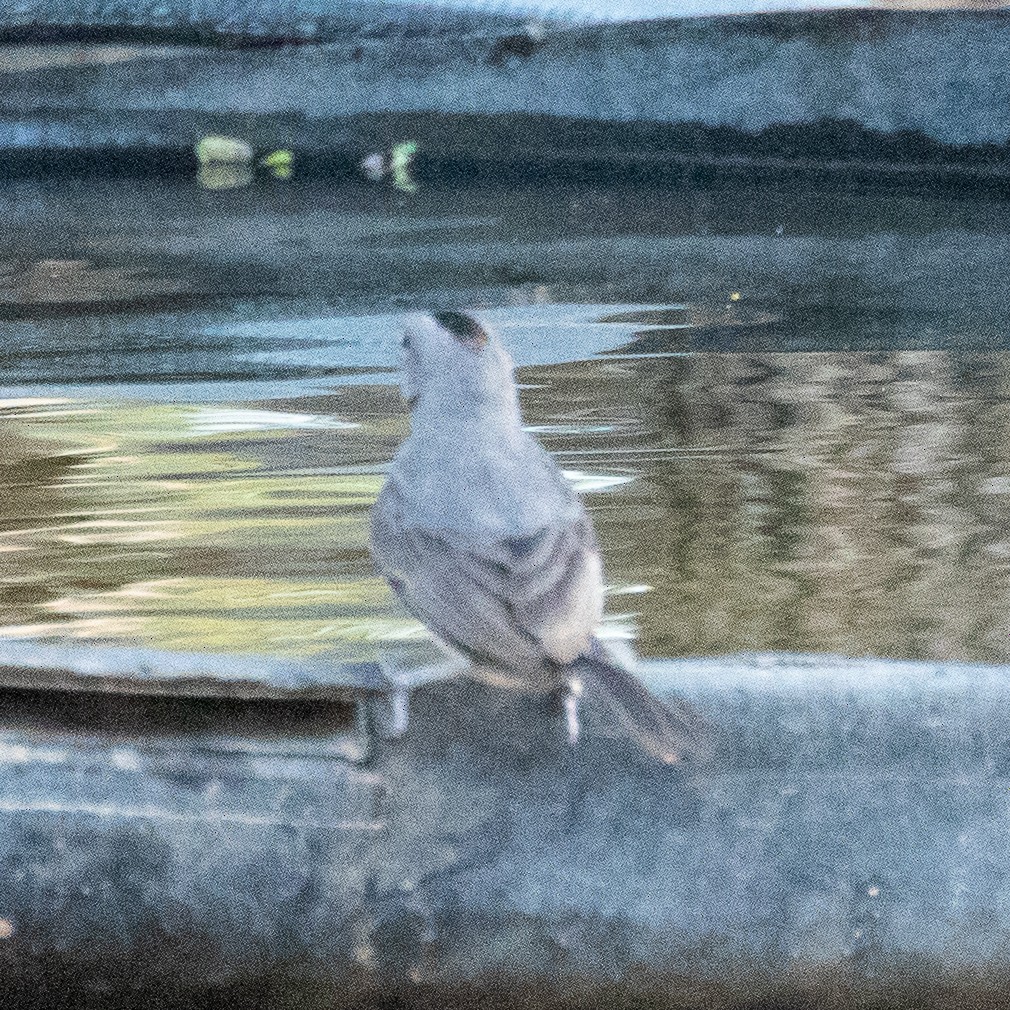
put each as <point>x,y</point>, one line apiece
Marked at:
<point>669,732</point>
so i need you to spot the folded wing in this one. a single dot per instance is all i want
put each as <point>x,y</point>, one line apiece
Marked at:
<point>523,604</point>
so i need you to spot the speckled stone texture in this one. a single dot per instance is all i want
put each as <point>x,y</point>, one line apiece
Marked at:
<point>850,827</point>
<point>912,89</point>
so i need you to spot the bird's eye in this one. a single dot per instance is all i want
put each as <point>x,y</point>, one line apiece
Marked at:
<point>405,341</point>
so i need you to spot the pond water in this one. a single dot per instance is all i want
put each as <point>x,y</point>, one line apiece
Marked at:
<point>788,413</point>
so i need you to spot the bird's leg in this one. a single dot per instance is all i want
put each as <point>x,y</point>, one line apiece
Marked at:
<point>398,703</point>
<point>573,772</point>
<point>564,702</point>
<point>400,678</point>
<point>573,694</point>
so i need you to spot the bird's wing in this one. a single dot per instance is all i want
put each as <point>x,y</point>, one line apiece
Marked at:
<point>512,603</point>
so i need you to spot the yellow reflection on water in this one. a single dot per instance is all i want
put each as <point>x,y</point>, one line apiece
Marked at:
<point>851,502</point>
<point>162,524</point>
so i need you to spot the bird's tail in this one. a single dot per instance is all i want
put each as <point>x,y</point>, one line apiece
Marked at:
<point>668,731</point>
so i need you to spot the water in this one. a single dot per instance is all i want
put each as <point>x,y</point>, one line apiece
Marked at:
<point>787,413</point>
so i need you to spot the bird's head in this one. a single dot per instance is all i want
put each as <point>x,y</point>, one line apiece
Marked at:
<point>452,363</point>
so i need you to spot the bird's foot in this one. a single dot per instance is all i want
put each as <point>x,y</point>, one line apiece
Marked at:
<point>564,702</point>
<point>400,679</point>
<point>573,696</point>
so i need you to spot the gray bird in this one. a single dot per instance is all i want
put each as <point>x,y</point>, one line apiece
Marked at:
<point>484,540</point>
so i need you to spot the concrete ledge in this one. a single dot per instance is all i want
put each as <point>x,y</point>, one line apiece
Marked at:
<point>138,671</point>
<point>853,825</point>
<point>867,89</point>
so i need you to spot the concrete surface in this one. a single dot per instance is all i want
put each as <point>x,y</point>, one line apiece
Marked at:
<point>905,88</point>
<point>853,819</point>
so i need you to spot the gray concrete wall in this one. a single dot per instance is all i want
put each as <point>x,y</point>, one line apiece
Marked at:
<point>853,820</point>
<point>940,75</point>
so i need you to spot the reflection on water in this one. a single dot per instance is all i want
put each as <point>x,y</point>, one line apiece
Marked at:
<point>791,452</point>
<point>47,287</point>
<point>849,502</point>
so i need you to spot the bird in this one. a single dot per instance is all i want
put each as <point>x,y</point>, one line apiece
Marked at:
<point>484,540</point>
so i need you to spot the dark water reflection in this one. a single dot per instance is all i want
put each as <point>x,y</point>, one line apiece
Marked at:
<point>847,502</point>
<point>790,422</point>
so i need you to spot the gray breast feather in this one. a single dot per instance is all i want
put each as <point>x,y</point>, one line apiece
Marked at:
<point>519,603</point>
